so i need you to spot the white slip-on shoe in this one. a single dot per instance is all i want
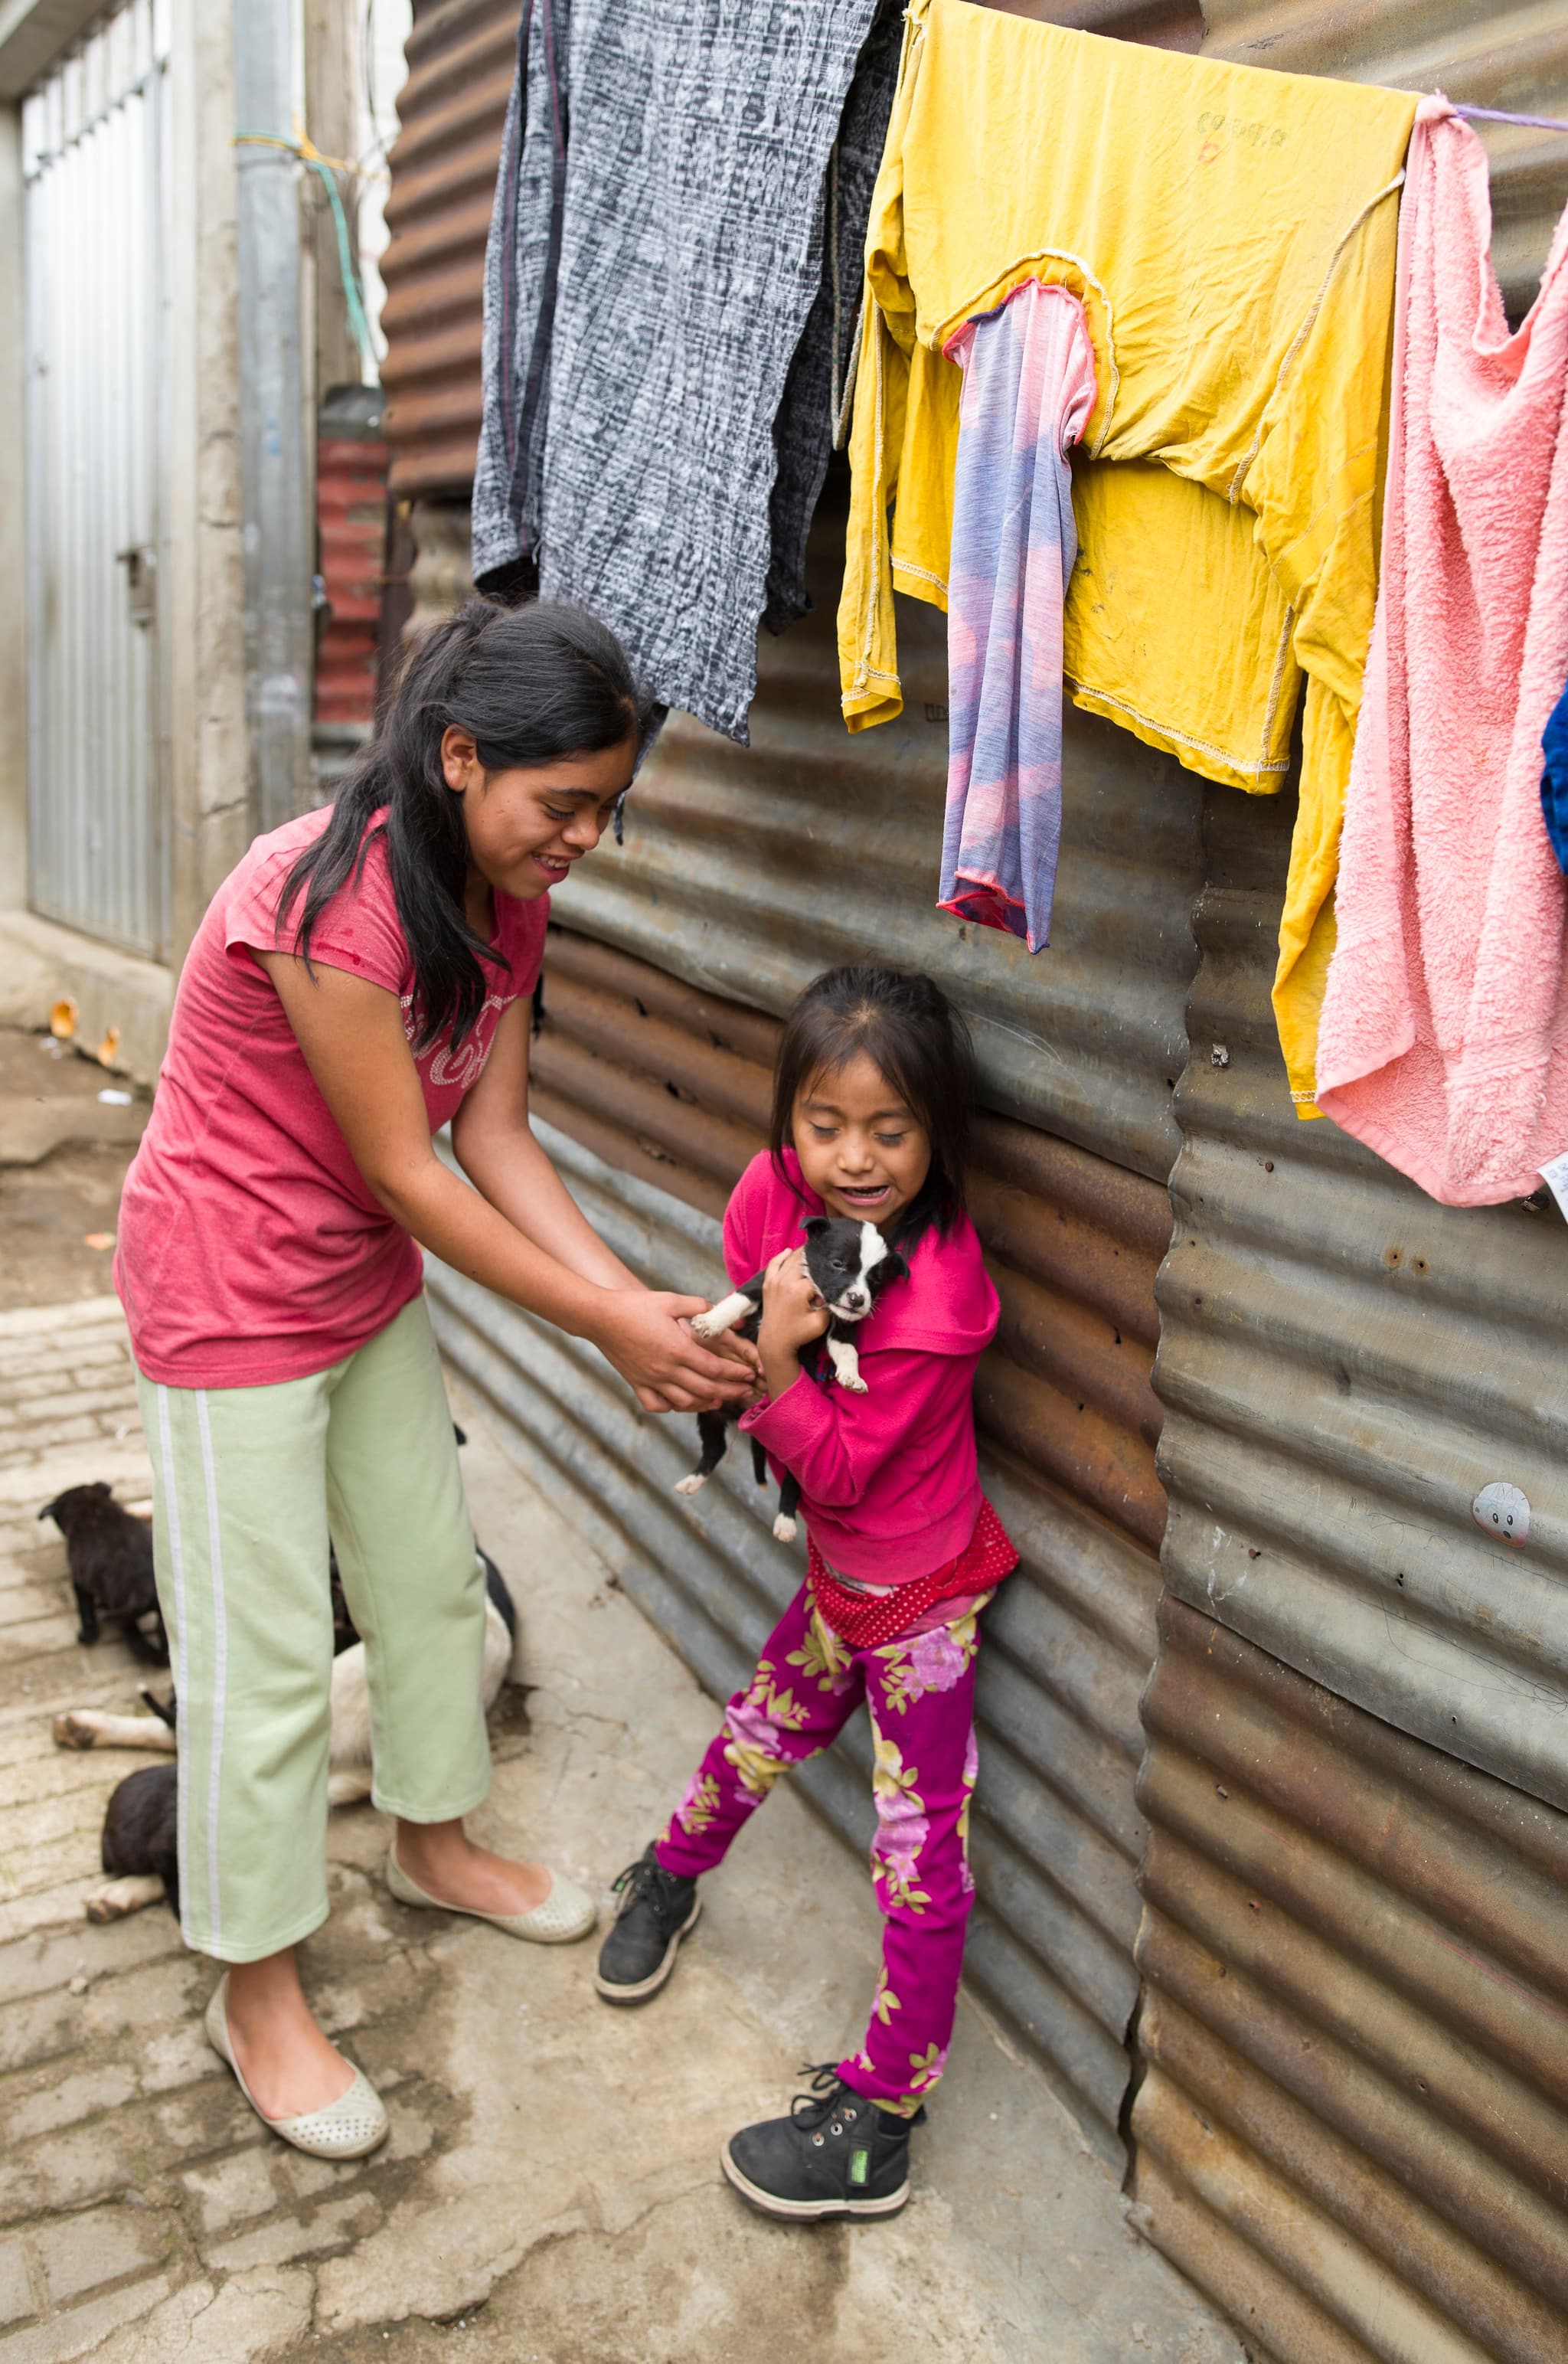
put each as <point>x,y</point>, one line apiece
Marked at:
<point>347,2128</point>
<point>567,1913</point>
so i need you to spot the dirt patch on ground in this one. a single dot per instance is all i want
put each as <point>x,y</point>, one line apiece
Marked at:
<point>63,1156</point>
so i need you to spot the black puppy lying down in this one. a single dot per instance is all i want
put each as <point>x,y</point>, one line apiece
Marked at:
<point>850,1265</point>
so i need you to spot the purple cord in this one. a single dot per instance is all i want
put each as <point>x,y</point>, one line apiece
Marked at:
<point>1499,114</point>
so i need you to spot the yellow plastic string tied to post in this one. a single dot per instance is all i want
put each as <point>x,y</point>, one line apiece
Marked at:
<point>303,147</point>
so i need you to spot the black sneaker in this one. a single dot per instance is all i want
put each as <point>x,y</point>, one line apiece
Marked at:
<point>835,2155</point>
<point>656,1909</point>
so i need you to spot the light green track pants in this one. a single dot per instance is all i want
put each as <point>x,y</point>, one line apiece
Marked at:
<point>248,1482</point>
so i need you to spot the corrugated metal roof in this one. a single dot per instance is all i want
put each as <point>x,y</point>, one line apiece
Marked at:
<point>748,871</point>
<point>1345,1365</point>
<point>1353,2127</point>
<point>460,58</point>
<point>658,1081</point>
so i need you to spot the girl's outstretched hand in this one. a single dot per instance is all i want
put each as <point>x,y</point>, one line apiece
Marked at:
<point>793,1314</point>
<point>644,1335</point>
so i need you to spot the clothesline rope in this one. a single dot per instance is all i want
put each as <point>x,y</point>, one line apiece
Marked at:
<point>1500,115</point>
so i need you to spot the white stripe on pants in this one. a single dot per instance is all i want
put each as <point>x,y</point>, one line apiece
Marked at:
<point>248,1484</point>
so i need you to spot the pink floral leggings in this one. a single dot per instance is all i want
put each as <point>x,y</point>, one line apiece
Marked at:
<point>920,1695</point>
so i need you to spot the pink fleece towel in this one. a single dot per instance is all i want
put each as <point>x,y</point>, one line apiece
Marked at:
<point>1444,1035</point>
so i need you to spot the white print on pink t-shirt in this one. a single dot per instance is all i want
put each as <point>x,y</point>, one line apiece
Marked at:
<point>464,1066</point>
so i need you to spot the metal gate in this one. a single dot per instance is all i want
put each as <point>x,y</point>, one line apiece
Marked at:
<point>92,138</point>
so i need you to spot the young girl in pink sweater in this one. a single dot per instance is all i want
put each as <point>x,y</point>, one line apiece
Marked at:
<point>870,1115</point>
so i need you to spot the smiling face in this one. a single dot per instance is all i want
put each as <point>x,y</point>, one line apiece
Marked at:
<point>527,826</point>
<point>860,1149</point>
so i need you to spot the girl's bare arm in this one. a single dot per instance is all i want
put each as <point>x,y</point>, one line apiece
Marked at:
<point>498,1151</point>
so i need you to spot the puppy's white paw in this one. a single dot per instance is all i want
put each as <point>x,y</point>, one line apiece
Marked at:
<point>783,1529</point>
<point>692,1485</point>
<point>75,1729</point>
<point>704,1327</point>
<point>854,1381</point>
<point>132,1894</point>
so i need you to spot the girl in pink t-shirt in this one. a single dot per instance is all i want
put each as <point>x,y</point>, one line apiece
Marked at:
<point>871,1097</point>
<point>362,978</point>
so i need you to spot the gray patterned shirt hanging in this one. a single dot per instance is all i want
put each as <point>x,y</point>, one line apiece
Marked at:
<point>663,321</point>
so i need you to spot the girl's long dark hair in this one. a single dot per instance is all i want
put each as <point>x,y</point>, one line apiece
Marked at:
<point>914,1036</point>
<point>530,686</point>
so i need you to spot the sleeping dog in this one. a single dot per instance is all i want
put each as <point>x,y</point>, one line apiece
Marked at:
<point>850,1265</point>
<point>139,1848</point>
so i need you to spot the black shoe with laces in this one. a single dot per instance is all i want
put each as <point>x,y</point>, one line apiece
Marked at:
<point>835,2155</point>
<point>656,1909</point>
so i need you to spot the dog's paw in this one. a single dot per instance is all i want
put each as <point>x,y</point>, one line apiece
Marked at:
<point>783,1529</point>
<point>134,1894</point>
<point>853,1382</point>
<point>75,1730</point>
<point>692,1485</point>
<point>704,1327</point>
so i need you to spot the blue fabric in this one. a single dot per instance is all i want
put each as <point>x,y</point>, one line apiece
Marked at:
<point>1554,779</point>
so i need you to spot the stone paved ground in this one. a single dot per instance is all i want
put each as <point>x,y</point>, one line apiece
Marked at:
<point>550,2192</point>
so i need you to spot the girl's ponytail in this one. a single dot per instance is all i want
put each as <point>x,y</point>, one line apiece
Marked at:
<point>530,686</point>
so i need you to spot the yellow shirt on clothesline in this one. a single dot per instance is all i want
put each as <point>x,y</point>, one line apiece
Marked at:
<point>1230,233</point>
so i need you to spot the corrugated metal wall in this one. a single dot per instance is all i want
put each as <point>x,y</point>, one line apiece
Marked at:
<point>1353,2126</point>
<point>350,523</point>
<point>656,1095</point>
<point>1345,1365</point>
<point>460,56</point>
<point>1352,2131</point>
<point>1350,2124</point>
<point>748,871</point>
<point>96,246</point>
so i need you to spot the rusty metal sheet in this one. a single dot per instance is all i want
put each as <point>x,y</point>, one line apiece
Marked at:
<point>746,871</point>
<point>1345,1365</point>
<point>461,57</point>
<point>1353,2127</point>
<point>1056,1833</point>
<point>350,516</point>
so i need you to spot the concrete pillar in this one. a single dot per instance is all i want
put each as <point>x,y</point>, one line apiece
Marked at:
<point>13,547</point>
<point>212,816</point>
<point>279,541</point>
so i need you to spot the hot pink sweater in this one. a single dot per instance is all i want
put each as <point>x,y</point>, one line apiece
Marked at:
<point>888,1483</point>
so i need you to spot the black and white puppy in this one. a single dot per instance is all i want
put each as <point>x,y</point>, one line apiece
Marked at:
<point>139,1821</point>
<point>108,1551</point>
<point>850,1265</point>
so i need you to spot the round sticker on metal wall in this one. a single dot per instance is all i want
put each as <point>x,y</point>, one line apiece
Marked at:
<point>1503,1511</point>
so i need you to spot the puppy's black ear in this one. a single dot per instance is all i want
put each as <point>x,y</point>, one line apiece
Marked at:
<point>815,1226</point>
<point>891,1268</point>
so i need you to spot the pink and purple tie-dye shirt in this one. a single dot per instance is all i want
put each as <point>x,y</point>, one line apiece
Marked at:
<point>1029,389</point>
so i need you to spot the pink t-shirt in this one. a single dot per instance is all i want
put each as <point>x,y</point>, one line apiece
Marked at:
<point>888,1482</point>
<point>250,1249</point>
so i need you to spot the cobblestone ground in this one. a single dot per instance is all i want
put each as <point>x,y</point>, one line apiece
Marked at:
<point>551,2190</point>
